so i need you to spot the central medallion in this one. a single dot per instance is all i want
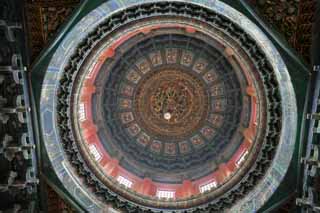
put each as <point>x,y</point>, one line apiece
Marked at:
<point>171,103</point>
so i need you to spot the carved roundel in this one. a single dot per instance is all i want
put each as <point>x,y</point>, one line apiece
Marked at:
<point>163,109</point>
<point>171,103</point>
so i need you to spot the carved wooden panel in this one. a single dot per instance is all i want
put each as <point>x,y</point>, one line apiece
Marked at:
<point>44,17</point>
<point>303,35</point>
<point>293,18</point>
<point>56,204</point>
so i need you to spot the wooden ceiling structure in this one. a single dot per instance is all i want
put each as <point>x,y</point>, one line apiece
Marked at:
<point>292,19</point>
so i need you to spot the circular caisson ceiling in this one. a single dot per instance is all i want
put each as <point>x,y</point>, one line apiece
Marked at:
<point>170,105</point>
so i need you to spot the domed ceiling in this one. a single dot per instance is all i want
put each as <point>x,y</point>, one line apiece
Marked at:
<point>168,106</point>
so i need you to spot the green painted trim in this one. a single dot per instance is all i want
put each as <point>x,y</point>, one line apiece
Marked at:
<point>276,205</point>
<point>59,189</point>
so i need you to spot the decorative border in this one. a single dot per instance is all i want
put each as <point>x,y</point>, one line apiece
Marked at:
<point>257,197</point>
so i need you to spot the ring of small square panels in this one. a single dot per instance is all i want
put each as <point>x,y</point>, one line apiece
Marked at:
<point>227,194</point>
<point>186,144</point>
